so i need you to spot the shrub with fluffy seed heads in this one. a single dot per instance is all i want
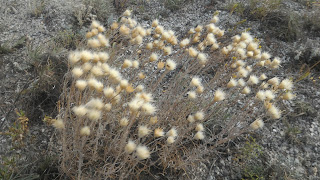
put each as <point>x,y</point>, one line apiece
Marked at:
<point>74,57</point>
<point>202,58</point>
<point>142,152</point>
<point>94,43</point>
<point>127,63</point>
<point>241,82</point>
<point>243,72</point>
<point>184,42</point>
<point>200,89</point>
<point>124,30</point>
<point>127,13</point>
<point>108,107</point>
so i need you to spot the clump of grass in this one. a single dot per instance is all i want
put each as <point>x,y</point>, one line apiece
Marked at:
<point>137,99</point>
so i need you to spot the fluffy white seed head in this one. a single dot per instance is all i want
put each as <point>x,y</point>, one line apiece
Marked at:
<point>94,43</point>
<point>95,84</point>
<point>170,140</point>
<point>274,112</point>
<point>184,42</point>
<point>97,71</point>
<point>195,82</point>
<point>192,95</point>
<point>155,23</point>
<point>243,72</point>
<point>86,66</point>
<point>59,124</point>
<point>192,52</point>
<point>153,120</point>
<point>85,131</point>
<point>257,124</point>
<point>269,95</point>
<point>191,118</point>
<point>153,57</point>
<point>77,72</point>
<point>124,84</point>
<point>127,13</point>
<point>286,84</point>
<point>135,64</point>
<point>143,131</point>
<point>74,57</point>
<point>199,116</point>
<point>170,65</point>
<point>200,89</point>
<point>253,80</point>
<point>241,82</point>
<point>263,77</point>
<point>81,84</point>
<point>95,103</point>
<point>124,122</point>
<point>142,152</point>
<point>158,132</point>
<point>130,147</point>
<point>135,104</point>
<point>274,81</point>
<point>80,111</point>
<point>115,75</point>
<point>202,58</point>
<point>232,83</point>
<point>86,56</point>
<point>199,127</point>
<point>275,63</point>
<point>288,96</point>
<point>172,132</point>
<point>261,95</point>
<point>127,63</point>
<point>265,56</point>
<point>148,108</point>
<point>94,115</point>
<point>246,90</point>
<point>219,95</point>
<point>199,135</point>
<point>109,92</point>
<point>108,107</point>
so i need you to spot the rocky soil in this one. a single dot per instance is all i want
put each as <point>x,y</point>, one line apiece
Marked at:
<point>32,32</point>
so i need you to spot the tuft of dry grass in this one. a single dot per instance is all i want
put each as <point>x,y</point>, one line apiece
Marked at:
<point>139,100</point>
